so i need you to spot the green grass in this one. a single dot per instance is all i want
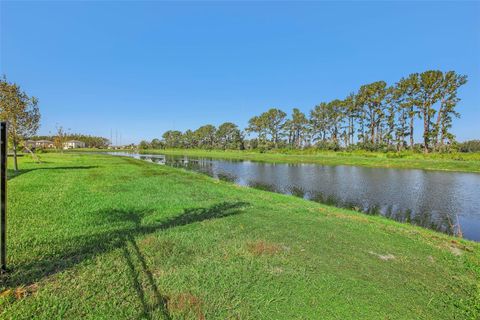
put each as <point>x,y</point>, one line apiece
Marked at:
<point>465,162</point>
<point>102,237</point>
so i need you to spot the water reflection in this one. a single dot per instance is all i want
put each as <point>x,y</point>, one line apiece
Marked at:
<point>444,201</point>
<point>262,186</point>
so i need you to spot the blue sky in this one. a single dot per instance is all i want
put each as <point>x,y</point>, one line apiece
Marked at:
<point>141,68</point>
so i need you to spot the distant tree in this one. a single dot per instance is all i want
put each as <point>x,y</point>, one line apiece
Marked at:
<point>60,137</point>
<point>143,145</point>
<point>352,113</point>
<point>390,117</point>
<point>205,136</point>
<point>172,139</point>
<point>336,114</point>
<point>469,146</point>
<point>228,136</point>
<point>258,126</point>
<point>21,112</point>
<point>430,87</point>
<point>296,128</point>
<point>268,124</point>
<point>372,99</point>
<point>156,144</point>
<point>406,96</point>
<point>320,122</point>
<point>448,102</point>
<point>274,120</point>
<point>189,139</point>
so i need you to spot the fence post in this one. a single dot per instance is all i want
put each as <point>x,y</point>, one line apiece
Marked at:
<point>3,195</point>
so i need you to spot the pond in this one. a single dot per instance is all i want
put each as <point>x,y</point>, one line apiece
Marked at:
<point>448,202</point>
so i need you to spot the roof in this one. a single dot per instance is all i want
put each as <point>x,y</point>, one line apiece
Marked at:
<point>74,141</point>
<point>43,141</point>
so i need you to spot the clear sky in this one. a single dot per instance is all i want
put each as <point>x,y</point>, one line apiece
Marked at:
<point>145,67</point>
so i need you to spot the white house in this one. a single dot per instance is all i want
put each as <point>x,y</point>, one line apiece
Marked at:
<point>72,144</point>
<point>42,144</point>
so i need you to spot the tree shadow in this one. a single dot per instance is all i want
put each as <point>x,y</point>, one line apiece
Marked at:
<point>78,249</point>
<point>160,301</point>
<point>11,174</point>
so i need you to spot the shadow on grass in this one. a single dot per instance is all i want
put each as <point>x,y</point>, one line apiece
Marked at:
<point>11,174</point>
<point>160,301</point>
<point>78,249</point>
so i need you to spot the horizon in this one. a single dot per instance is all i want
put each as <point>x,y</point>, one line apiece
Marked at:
<point>140,69</point>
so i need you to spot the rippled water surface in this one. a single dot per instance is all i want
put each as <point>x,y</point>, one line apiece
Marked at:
<point>445,201</point>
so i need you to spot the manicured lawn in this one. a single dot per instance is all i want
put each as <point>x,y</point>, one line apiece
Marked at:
<point>102,237</point>
<point>466,162</point>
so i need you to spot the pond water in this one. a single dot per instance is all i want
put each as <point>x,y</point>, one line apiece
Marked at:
<point>444,201</point>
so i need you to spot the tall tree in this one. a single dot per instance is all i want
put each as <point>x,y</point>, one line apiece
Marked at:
<point>189,139</point>
<point>258,126</point>
<point>352,113</point>
<point>296,128</point>
<point>372,98</point>
<point>228,136</point>
<point>336,114</point>
<point>268,123</point>
<point>205,136</point>
<point>406,96</point>
<point>448,101</point>
<point>156,144</point>
<point>172,139</point>
<point>144,145</point>
<point>21,112</point>
<point>320,122</point>
<point>391,117</point>
<point>274,120</point>
<point>430,86</point>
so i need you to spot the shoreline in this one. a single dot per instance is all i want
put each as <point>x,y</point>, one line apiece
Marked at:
<point>470,163</point>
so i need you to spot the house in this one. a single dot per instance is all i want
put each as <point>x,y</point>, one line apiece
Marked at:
<point>30,144</point>
<point>73,144</point>
<point>39,144</point>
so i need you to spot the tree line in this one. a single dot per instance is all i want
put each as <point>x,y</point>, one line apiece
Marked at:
<point>376,117</point>
<point>226,136</point>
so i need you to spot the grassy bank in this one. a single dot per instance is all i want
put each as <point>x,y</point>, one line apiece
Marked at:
<point>466,162</point>
<point>103,237</point>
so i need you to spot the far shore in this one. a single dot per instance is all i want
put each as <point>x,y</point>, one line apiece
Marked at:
<point>461,162</point>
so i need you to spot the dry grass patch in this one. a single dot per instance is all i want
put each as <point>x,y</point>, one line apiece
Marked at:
<point>262,247</point>
<point>187,305</point>
<point>19,292</point>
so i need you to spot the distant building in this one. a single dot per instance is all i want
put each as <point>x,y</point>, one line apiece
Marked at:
<point>39,144</point>
<point>30,144</point>
<point>73,144</point>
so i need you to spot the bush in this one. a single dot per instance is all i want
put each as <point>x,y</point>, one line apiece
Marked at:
<point>326,145</point>
<point>397,155</point>
<point>469,146</point>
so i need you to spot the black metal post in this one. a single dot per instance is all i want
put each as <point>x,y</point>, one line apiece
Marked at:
<point>3,196</point>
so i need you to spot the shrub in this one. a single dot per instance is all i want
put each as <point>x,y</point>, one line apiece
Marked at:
<point>469,146</point>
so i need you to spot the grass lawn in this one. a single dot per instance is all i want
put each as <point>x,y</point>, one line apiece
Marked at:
<point>102,237</point>
<point>466,162</point>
